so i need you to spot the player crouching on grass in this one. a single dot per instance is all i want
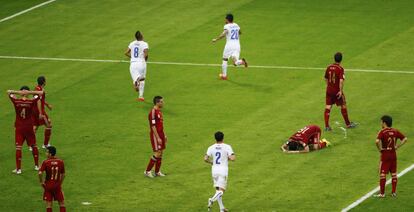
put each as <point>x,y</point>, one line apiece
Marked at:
<point>305,140</point>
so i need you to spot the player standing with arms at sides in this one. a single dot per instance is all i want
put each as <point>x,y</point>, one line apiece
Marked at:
<point>157,136</point>
<point>55,174</point>
<point>232,49</point>
<point>138,52</point>
<point>24,124</point>
<point>40,116</point>
<point>220,153</point>
<point>387,145</point>
<point>334,77</point>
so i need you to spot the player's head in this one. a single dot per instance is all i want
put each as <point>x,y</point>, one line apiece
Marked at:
<point>338,57</point>
<point>50,151</point>
<point>25,88</point>
<point>158,101</point>
<point>219,136</point>
<point>41,80</point>
<point>229,18</point>
<point>293,145</point>
<point>386,121</point>
<point>139,36</point>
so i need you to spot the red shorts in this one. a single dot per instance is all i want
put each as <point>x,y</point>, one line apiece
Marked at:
<point>53,192</point>
<point>22,134</point>
<point>333,99</point>
<point>156,146</point>
<point>38,121</point>
<point>387,166</point>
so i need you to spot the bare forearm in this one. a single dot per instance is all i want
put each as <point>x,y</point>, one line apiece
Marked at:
<point>41,178</point>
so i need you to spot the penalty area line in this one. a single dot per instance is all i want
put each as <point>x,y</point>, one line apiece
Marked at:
<point>196,64</point>
<point>27,10</point>
<point>369,194</point>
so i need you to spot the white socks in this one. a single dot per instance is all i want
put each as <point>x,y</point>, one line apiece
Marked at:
<point>224,68</point>
<point>217,197</point>
<point>141,88</point>
<point>239,62</point>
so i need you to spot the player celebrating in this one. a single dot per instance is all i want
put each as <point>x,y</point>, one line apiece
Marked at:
<point>138,52</point>
<point>157,136</point>
<point>55,174</point>
<point>305,137</point>
<point>387,146</point>
<point>334,77</point>
<point>232,49</point>
<point>220,153</point>
<point>24,123</point>
<point>40,116</point>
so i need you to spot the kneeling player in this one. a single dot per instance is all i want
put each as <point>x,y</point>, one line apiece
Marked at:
<point>305,140</point>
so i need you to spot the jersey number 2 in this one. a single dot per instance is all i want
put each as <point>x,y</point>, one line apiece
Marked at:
<point>136,52</point>
<point>218,156</point>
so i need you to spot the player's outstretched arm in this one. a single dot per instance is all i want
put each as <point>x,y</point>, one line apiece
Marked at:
<point>207,159</point>
<point>128,53</point>
<point>222,35</point>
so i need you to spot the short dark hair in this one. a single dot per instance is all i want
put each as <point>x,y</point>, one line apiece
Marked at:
<point>387,120</point>
<point>138,35</point>
<point>41,80</point>
<point>219,136</point>
<point>25,87</point>
<point>229,17</point>
<point>293,145</point>
<point>338,57</point>
<point>156,99</point>
<point>51,150</point>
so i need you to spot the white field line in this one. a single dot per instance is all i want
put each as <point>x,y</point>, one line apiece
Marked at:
<point>197,64</point>
<point>27,10</point>
<point>369,194</point>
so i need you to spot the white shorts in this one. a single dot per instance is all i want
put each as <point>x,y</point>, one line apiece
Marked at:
<point>137,70</point>
<point>220,181</point>
<point>231,51</point>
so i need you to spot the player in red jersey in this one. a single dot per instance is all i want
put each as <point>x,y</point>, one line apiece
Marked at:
<point>40,116</point>
<point>334,77</point>
<point>157,136</point>
<point>24,123</point>
<point>302,139</point>
<point>55,174</point>
<point>387,145</point>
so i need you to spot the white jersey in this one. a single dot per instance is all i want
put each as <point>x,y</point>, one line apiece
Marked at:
<point>220,154</point>
<point>137,50</point>
<point>233,34</point>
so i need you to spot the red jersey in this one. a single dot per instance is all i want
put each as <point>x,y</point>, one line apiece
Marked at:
<point>42,99</point>
<point>155,119</point>
<point>24,111</point>
<point>307,134</point>
<point>388,137</point>
<point>53,167</point>
<point>333,74</point>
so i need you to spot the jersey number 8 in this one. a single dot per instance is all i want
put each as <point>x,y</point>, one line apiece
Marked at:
<point>136,52</point>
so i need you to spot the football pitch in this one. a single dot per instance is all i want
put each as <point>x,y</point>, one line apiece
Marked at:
<point>102,133</point>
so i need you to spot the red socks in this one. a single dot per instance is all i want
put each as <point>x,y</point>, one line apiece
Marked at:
<point>48,209</point>
<point>63,209</point>
<point>48,132</point>
<point>18,158</point>
<point>394,184</point>
<point>35,153</point>
<point>151,163</point>
<point>344,112</point>
<point>382,185</point>
<point>158,165</point>
<point>326,116</point>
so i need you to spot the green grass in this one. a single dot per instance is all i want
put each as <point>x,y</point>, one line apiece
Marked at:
<point>102,133</point>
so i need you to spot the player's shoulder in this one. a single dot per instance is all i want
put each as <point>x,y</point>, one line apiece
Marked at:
<point>133,43</point>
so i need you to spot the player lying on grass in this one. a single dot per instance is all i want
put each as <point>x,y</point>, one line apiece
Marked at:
<point>23,125</point>
<point>305,140</point>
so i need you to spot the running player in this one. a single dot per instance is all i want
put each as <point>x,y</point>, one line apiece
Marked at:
<point>305,140</point>
<point>55,174</point>
<point>387,145</point>
<point>138,52</point>
<point>218,156</point>
<point>40,116</point>
<point>157,136</point>
<point>232,49</point>
<point>24,124</point>
<point>334,77</point>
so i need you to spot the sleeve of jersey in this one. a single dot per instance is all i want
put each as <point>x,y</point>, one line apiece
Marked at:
<point>146,46</point>
<point>379,136</point>
<point>152,118</point>
<point>63,168</point>
<point>231,152</point>
<point>42,168</point>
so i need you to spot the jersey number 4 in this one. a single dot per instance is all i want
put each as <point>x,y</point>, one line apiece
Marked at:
<point>136,52</point>
<point>218,156</point>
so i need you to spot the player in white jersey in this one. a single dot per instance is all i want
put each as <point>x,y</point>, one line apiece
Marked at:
<point>218,156</point>
<point>138,52</point>
<point>232,49</point>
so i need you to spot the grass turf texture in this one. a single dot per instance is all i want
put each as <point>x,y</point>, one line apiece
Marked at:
<point>102,133</point>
